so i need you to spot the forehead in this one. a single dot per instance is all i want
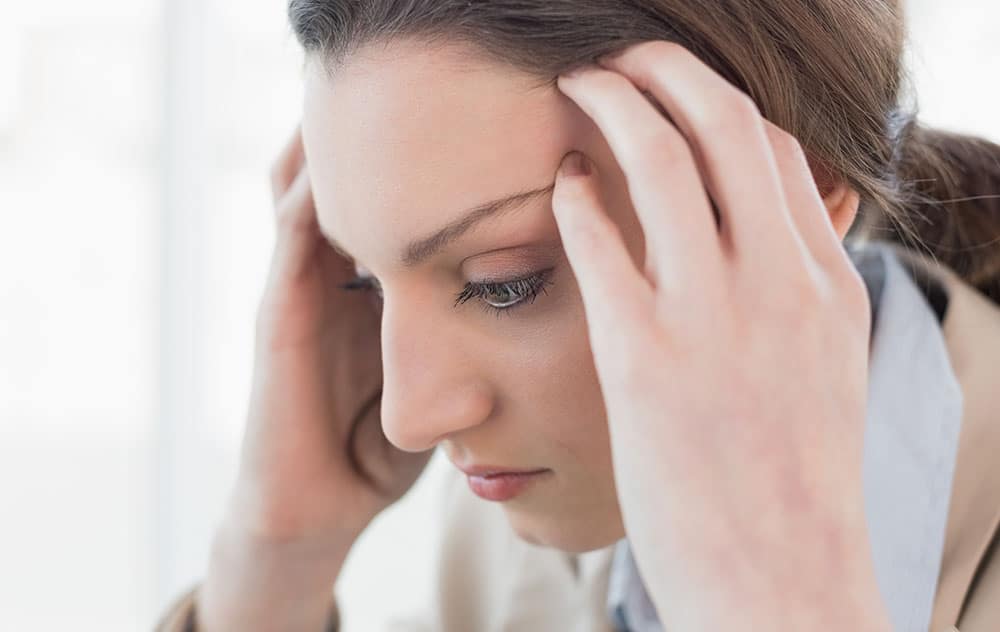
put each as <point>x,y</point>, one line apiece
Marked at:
<point>405,136</point>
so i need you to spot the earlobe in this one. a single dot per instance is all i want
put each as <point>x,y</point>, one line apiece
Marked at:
<point>842,203</point>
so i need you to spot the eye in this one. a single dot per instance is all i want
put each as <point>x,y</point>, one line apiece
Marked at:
<point>364,283</point>
<point>502,296</point>
<point>496,296</point>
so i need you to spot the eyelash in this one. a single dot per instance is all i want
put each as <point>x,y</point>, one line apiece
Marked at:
<point>527,288</point>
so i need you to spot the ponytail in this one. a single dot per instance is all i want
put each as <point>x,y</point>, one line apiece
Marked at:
<point>947,204</point>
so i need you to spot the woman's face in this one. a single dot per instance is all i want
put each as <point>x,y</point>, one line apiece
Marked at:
<point>404,141</point>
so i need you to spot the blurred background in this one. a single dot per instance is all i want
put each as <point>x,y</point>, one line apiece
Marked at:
<point>135,233</point>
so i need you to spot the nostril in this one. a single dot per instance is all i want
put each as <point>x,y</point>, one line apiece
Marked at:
<point>419,421</point>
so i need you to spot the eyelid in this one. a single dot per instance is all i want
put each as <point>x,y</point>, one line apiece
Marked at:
<point>531,286</point>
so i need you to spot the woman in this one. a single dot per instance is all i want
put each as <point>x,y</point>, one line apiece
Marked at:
<point>618,301</point>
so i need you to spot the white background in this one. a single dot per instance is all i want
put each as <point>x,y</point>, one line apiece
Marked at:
<point>135,231</point>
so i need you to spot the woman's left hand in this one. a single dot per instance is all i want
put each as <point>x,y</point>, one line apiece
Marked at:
<point>734,366</point>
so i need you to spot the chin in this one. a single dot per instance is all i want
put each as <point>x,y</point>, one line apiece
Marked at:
<point>578,534</point>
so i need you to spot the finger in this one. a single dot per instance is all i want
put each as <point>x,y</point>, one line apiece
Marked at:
<point>726,127</point>
<point>663,181</point>
<point>297,230</point>
<point>287,164</point>
<point>295,207</point>
<point>614,292</point>
<point>804,201</point>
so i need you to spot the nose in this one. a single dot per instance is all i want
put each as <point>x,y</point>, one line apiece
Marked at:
<point>431,386</point>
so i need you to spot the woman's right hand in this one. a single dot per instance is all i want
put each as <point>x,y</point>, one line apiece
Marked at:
<point>315,467</point>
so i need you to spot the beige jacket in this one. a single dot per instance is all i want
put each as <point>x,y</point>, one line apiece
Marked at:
<point>488,580</point>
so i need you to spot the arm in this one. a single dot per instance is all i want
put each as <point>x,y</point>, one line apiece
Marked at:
<point>181,615</point>
<point>315,467</point>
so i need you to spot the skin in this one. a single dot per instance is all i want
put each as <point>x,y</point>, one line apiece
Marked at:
<point>399,142</point>
<point>758,517</point>
<point>396,144</point>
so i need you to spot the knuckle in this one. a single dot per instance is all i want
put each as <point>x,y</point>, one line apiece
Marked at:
<point>608,81</point>
<point>657,51</point>
<point>808,285</point>
<point>743,105</point>
<point>854,291</point>
<point>795,301</point>
<point>786,144</point>
<point>735,115</point>
<point>600,79</point>
<point>781,139</point>
<point>807,292</point>
<point>662,150</point>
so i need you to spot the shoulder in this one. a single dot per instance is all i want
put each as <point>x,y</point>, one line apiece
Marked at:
<point>969,586</point>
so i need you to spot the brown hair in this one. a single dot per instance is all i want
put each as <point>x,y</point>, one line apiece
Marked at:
<point>828,71</point>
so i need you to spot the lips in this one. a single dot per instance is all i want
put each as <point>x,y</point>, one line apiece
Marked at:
<point>494,470</point>
<point>500,484</point>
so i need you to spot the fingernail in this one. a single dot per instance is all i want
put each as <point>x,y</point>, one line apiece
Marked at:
<point>574,164</point>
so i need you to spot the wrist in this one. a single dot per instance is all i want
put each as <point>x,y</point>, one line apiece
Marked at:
<point>276,516</point>
<point>838,592</point>
<point>256,582</point>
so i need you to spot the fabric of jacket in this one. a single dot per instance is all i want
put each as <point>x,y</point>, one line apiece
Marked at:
<point>486,579</point>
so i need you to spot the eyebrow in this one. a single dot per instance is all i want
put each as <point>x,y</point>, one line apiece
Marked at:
<point>422,249</point>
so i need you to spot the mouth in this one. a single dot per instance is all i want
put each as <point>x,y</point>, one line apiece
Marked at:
<point>500,484</point>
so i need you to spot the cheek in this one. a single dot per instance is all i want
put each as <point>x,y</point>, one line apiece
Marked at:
<point>560,389</point>
<point>560,406</point>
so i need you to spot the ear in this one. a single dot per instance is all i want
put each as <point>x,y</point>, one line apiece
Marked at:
<point>842,203</point>
<point>840,199</point>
